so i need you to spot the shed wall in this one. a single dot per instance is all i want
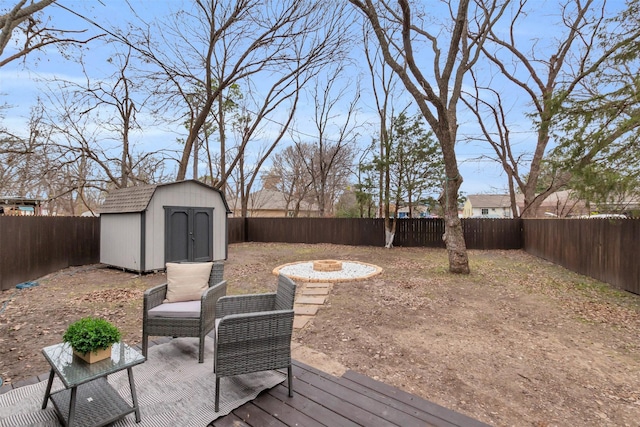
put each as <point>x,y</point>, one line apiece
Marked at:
<point>120,240</point>
<point>187,194</point>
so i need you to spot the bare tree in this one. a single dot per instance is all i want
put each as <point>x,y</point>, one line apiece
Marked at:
<point>288,175</point>
<point>92,124</point>
<point>334,135</point>
<point>384,86</point>
<point>220,43</point>
<point>37,35</point>
<point>547,71</point>
<point>399,34</point>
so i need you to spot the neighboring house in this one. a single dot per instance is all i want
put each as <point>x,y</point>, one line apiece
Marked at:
<point>561,204</point>
<point>630,206</point>
<point>10,205</point>
<point>416,212</point>
<point>272,203</point>
<point>488,206</point>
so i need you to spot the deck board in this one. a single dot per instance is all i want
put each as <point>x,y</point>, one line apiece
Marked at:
<point>438,415</point>
<point>280,408</point>
<point>321,399</point>
<point>375,409</point>
<point>311,408</point>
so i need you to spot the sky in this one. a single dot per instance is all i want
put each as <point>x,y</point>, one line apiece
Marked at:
<point>21,84</point>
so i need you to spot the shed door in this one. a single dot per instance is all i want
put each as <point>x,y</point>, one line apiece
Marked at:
<point>188,234</point>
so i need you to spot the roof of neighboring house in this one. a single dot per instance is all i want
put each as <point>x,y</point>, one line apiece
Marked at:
<point>489,200</point>
<point>14,201</point>
<point>136,199</point>
<point>560,197</point>
<point>271,200</point>
<point>417,208</point>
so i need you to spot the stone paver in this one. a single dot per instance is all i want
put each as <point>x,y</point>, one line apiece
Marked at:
<point>305,310</point>
<point>318,285</point>
<point>310,296</point>
<point>300,322</point>
<point>317,291</point>
<point>310,300</point>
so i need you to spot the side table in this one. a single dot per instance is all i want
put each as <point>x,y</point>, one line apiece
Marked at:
<point>88,399</point>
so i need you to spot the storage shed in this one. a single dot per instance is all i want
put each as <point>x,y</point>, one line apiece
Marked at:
<point>142,228</point>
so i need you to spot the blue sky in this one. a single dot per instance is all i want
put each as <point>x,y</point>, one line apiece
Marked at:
<point>20,86</point>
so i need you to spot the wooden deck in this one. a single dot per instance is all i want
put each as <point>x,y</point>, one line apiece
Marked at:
<point>321,399</point>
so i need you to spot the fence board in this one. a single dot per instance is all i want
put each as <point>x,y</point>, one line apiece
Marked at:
<point>34,246</point>
<point>479,233</point>
<point>605,249</point>
<point>341,231</point>
<point>235,230</point>
<point>485,233</point>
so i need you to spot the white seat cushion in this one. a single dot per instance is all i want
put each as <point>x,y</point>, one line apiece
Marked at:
<point>185,309</point>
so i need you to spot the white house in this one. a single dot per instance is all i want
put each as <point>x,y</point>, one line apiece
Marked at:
<point>488,206</point>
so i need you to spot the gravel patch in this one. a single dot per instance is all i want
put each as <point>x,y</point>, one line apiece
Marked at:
<point>351,270</point>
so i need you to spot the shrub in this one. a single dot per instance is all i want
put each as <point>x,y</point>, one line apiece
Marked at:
<point>91,334</point>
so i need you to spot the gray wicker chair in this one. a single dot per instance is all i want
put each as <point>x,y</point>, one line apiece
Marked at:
<point>253,333</point>
<point>199,325</point>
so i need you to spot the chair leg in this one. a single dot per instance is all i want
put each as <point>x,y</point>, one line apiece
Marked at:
<point>145,344</point>
<point>201,350</point>
<point>217,398</point>
<point>290,378</point>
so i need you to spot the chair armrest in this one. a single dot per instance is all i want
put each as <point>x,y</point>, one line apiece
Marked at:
<point>153,297</point>
<point>209,299</point>
<point>217,273</point>
<point>248,326</point>
<point>238,304</point>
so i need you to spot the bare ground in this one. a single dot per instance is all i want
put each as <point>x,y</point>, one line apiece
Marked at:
<point>519,342</point>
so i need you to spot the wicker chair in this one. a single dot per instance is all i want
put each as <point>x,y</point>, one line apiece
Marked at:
<point>253,333</point>
<point>200,322</point>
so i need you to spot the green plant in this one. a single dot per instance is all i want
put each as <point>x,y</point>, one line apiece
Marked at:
<point>91,334</point>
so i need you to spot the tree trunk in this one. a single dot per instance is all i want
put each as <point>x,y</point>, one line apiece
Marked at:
<point>453,236</point>
<point>389,231</point>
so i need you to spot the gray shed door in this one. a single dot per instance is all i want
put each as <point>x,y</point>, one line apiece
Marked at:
<point>188,234</point>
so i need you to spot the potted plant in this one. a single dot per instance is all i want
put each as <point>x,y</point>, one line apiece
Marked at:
<point>91,338</point>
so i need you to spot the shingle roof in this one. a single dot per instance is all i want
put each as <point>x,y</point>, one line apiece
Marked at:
<point>266,200</point>
<point>489,200</point>
<point>136,199</point>
<point>126,200</point>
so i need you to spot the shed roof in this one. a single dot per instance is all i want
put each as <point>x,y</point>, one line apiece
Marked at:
<point>130,199</point>
<point>136,199</point>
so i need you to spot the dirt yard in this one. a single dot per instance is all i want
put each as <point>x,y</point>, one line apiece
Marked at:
<point>519,342</point>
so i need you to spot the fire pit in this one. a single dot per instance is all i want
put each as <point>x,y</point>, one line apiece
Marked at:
<point>327,265</point>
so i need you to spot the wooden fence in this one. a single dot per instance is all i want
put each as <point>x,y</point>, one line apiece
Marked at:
<point>34,246</point>
<point>479,233</point>
<point>605,249</point>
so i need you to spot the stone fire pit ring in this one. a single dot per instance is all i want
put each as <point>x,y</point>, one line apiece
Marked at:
<point>327,265</point>
<point>328,270</point>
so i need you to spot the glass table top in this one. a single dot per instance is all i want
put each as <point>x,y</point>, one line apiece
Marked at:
<point>74,371</point>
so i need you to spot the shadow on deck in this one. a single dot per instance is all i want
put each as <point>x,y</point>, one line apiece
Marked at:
<point>321,399</point>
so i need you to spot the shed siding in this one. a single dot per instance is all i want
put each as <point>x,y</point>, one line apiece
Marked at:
<point>120,240</point>
<point>182,194</point>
